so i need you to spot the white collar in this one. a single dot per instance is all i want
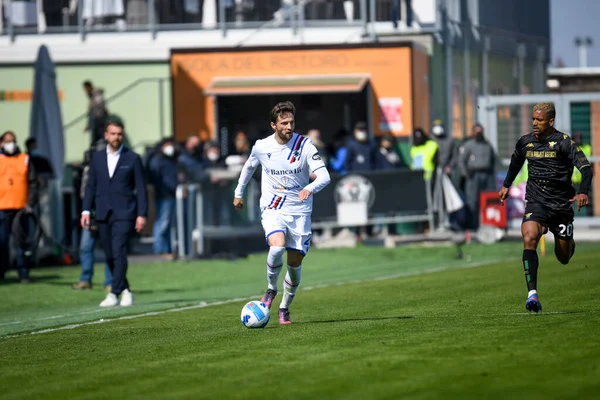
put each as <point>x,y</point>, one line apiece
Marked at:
<point>117,153</point>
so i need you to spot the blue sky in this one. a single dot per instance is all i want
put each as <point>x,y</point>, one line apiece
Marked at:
<point>571,18</point>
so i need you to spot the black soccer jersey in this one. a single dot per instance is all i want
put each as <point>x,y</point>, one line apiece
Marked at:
<point>550,163</point>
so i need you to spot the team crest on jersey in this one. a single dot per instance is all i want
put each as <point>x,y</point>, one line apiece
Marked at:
<point>269,155</point>
<point>551,144</point>
<point>529,145</point>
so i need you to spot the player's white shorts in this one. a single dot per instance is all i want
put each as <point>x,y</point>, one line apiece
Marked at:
<point>296,228</point>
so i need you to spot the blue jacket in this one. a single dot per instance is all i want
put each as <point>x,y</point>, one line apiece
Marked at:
<point>124,194</point>
<point>162,174</point>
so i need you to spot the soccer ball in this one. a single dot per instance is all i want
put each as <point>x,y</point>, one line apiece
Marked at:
<point>255,315</point>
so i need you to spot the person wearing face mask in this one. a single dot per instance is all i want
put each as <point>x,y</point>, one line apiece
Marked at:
<point>361,150</point>
<point>477,164</point>
<point>162,174</point>
<point>18,191</point>
<point>215,186</point>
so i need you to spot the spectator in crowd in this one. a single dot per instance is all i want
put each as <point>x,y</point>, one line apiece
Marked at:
<point>445,147</point>
<point>362,151</point>
<point>241,152</point>
<point>191,160</point>
<point>315,137</point>
<point>89,237</point>
<point>18,192</point>
<point>339,152</point>
<point>162,174</point>
<point>97,112</point>
<point>477,164</point>
<point>423,154</point>
<point>389,156</point>
<point>214,189</point>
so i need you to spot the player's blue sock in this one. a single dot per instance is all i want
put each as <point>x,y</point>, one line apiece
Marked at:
<point>290,285</point>
<point>530,266</point>
<point>274,264</point>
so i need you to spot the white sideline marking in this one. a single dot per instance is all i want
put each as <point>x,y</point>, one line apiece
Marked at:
<point>205,304</point>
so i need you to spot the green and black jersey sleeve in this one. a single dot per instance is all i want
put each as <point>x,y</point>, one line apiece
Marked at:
<point>579,161</point>
<point>516,163</point>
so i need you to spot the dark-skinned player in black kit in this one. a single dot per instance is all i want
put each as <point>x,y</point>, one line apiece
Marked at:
<point>551,156</point>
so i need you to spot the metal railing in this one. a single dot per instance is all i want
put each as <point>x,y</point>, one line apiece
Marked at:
<point>22,17</point>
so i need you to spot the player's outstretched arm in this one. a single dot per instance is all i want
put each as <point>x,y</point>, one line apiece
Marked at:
<point>247,172</point>
<point>516,163</point>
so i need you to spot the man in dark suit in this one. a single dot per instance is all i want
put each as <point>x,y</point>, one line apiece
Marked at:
<point>117,192</point>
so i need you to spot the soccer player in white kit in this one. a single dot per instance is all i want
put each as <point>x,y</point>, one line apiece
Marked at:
<point>287,161</point>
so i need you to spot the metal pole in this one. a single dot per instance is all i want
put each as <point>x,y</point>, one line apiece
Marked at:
<point>301,21</point>
<point>363,17</point>
<point>449,78</point>
<point>152,19</point>
<point>10,29</point>
<point>161,108</point>
<point>222,20</point>
<point>372,19</point>
<point>199,231</point>
<point>292,16</point>
<point>484,65</point>
<point>80,24</point>
<point>180,221</point>
<point>466,75</point>
<point>190,217</point>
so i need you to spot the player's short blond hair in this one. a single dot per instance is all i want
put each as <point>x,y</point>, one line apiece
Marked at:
<point>548,108</point>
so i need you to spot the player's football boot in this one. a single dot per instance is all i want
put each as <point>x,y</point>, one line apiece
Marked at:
<point>268,297</point>
<point>284,316</point>
<point>533,304</point>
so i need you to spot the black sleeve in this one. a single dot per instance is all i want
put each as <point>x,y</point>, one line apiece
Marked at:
<point>580,162</point>
<point>32,184</point>
<point>516,163</point>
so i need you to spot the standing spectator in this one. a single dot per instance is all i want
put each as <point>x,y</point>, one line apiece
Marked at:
<point>315,136</point>
<point>339,152</point>
<point>191,160</point>
<point>362,151</point>
<point>241,153</point>
<point>97,112</point>
<point>389,157</point>
<point>163,176</point>
<point>445,147</point>
<point>477,164</point>
<point>216,211</point>
<point>423,154</point>
<point>18,191</point>
<point>90,236</point>
<point>117,191</point>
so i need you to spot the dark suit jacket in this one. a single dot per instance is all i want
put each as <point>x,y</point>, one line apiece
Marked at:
<point>124,194</point>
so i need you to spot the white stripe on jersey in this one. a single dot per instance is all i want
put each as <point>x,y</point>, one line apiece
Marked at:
<point>285,172</point>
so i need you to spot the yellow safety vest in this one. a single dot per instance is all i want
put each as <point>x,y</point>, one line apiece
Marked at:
<point>423,158</point>
<point>576,177</point>
<point>13,181</point>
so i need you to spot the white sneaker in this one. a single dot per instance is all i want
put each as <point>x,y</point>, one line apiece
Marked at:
<point>126,298</point>
<point>111,300</point>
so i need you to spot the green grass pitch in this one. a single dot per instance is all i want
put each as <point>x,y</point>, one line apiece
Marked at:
<point>368,323</point>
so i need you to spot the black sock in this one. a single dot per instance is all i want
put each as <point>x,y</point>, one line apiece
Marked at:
<point>530,266</point>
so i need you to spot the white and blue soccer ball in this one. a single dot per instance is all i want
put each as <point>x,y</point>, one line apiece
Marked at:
<point>255,315</point>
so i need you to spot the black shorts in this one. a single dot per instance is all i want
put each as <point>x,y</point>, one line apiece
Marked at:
<point>560,222</point>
